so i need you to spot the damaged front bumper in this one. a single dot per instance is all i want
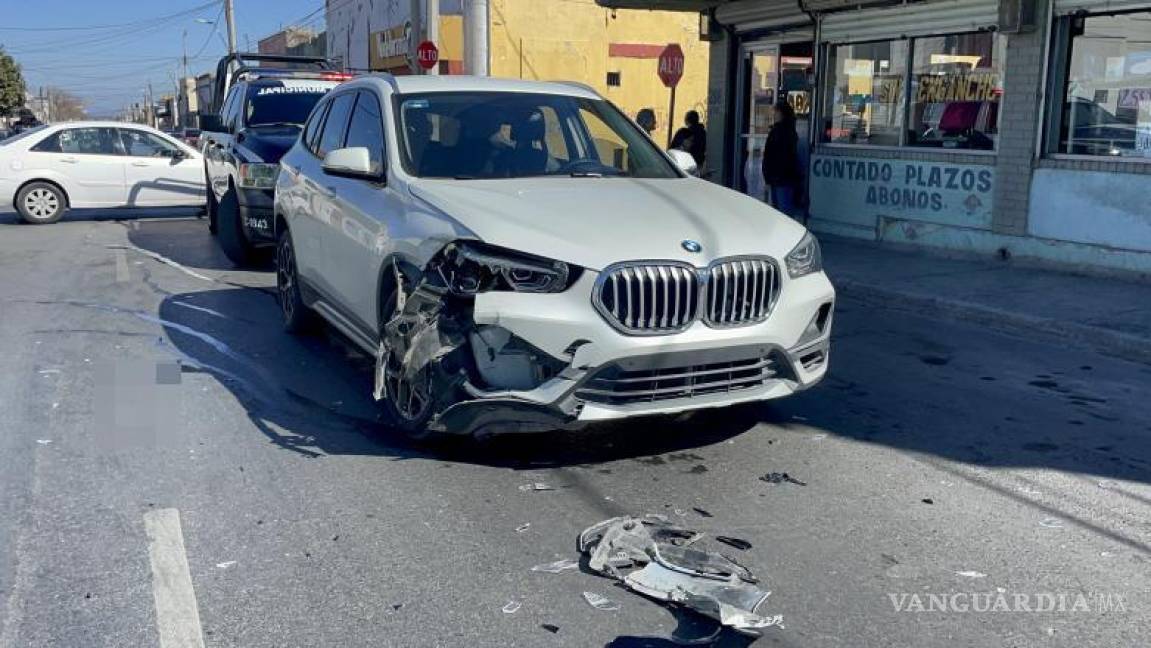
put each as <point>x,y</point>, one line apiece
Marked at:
<point>602,374</point>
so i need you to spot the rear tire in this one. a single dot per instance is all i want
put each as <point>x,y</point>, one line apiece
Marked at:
<point>298,318</point>
<point>230,230</point>
<point>41,203</point>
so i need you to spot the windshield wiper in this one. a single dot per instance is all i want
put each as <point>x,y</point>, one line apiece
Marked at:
<point>274,124</point>
<point>586,174</point>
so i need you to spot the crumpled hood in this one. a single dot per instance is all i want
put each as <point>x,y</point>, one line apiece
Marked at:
<point>594,222</point>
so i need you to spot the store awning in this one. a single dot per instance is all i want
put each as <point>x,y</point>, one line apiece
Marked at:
<point>663,5</point>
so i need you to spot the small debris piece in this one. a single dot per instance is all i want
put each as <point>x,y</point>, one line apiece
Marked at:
<point>523,527</point>
<point>697,470</point>
<point>537,486</point>
<point>1051,523</point>
<point>600,602</point>
<point>550,628</point>
<point>512,607</point>
<point>971,574</point>
<point>226,564</point>
<point>742,545</point>
<point>557,567</point>
<point>779,478</point>
<point>397,606</point>
<point>927,500</point>
<point>43,441</point>
<point>702,512</point>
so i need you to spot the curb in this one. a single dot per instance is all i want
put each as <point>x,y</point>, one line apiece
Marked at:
<point>1106,341</point>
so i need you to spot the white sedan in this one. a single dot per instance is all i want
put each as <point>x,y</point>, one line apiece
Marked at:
<point>48,170</point>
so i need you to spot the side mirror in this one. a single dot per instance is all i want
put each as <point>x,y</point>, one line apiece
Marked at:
<point>211,122</point>
<point>351,162</point>
<point>684,161</point>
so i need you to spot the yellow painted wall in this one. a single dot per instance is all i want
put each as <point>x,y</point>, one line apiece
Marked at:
<point>567,40</point>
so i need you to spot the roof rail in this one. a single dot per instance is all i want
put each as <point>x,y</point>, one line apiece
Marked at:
<point>224,80</point>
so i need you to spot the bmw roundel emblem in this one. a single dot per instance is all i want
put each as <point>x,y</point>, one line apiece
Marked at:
<point>691,246</point>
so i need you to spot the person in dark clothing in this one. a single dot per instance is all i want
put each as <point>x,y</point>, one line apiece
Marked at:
<point>781,161</point>
<point>692,138</point>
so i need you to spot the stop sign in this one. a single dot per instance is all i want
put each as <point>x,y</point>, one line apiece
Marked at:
<point>671,65</point>
<point>427,55</point>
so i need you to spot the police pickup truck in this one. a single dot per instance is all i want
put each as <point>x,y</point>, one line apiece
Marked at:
<point>256,117</point>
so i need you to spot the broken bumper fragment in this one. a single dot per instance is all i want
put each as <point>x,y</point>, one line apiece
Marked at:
<point>653,557</point>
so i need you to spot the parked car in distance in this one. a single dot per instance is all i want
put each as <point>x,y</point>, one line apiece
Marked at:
<point>519,256</point>
<point>47,170</point>
<point>259,119</point>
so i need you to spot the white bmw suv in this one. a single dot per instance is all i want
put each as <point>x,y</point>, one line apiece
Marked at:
<point>520,256</point>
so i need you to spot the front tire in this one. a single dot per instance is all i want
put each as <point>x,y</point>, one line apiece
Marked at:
<point>212,209</point>
<point>298,318</point>
<point>407,403</point>
<point>230,230</point>
<point>41,203</point>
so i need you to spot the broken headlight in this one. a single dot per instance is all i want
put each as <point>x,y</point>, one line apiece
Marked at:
<point>470,268</point>
<point>806,258</point>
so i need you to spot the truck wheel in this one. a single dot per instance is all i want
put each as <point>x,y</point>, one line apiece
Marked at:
<point>230,230</point>
<point>41,203</point>
<point>298,318</point>
<point>213,209</point>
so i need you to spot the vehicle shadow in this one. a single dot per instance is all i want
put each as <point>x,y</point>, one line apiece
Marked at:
<point>312,394</point>
<point>188,243</point>
<point>11,217</point>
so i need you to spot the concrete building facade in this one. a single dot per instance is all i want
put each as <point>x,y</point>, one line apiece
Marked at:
<point>615,52</point>
<point>997,127</point>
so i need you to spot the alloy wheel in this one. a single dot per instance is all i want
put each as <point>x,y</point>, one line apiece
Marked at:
<point>286,278</point>
<point>410,396</point>
<point>41,203</point>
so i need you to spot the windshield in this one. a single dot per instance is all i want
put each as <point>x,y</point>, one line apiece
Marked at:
<point>483,135</point>
<point>22,134</point>
<point>290,103</point>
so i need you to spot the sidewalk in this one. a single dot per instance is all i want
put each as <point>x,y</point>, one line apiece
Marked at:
<point>1111,315</point>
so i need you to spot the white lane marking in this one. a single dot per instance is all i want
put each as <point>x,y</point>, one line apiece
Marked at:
<point>121,267</point>
<point>163,259</point>
<point>177,616</point>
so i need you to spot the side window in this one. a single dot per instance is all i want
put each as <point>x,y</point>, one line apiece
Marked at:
<point>143,144</point>
<point>554,134</point>
<point>313,127</point>
<point>336,124</point>
<point>226,107</point>
<point>367,129</point>
<point>83,141</point>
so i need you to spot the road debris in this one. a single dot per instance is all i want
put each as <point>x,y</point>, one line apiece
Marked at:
<point>742,545</point>
<point>655,558</point>
<point>779,478</point>
<point>927,500</point>
<point>550,628</point>
<point>702,512</point>
<point>226,564</point>
<point>537,486</point>
<point>557,567</point>
<point>523,527</point>
<point>1051,523</point>
<point>512,607</point>
<point>43,441</point>
<point>971,574</point>
<point>600,602</point>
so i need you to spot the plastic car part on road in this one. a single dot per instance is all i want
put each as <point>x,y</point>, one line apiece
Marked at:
<point>653,557</point>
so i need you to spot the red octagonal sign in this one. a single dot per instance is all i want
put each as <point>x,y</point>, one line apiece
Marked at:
<point>671,65</point>
<point>427,55</point>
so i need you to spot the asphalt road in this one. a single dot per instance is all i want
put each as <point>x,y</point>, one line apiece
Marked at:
<point>937,458</point>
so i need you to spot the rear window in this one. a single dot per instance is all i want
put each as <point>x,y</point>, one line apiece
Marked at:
<point>21,135</point>
<point>286,102</point>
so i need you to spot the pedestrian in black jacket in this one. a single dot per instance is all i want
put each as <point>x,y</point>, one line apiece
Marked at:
<point>692,138</point>
<point>781,161</point>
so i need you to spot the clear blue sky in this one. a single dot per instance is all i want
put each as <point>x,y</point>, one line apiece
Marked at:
<point>92,48</point>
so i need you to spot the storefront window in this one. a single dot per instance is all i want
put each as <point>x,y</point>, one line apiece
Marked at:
<point>865,98</point>
<point>1107,97</point>
<point>956,87</point>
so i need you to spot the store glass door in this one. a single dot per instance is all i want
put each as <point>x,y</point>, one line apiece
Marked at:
<point>761,83</point>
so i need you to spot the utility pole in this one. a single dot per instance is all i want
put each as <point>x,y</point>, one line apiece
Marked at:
<point>477,21</point>
<point>230,17</point>
<point>182,85</point>
<point>433,28</point>
<point>151,108</point>
<point>417,35</point>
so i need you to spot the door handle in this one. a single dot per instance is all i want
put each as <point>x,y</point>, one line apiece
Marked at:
<point>140,164</point>
<point>69,160</point>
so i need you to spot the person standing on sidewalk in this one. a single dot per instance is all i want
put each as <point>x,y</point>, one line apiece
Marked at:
<point>646,120</point>
<point>692,137</point>
<point>781,162</point>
